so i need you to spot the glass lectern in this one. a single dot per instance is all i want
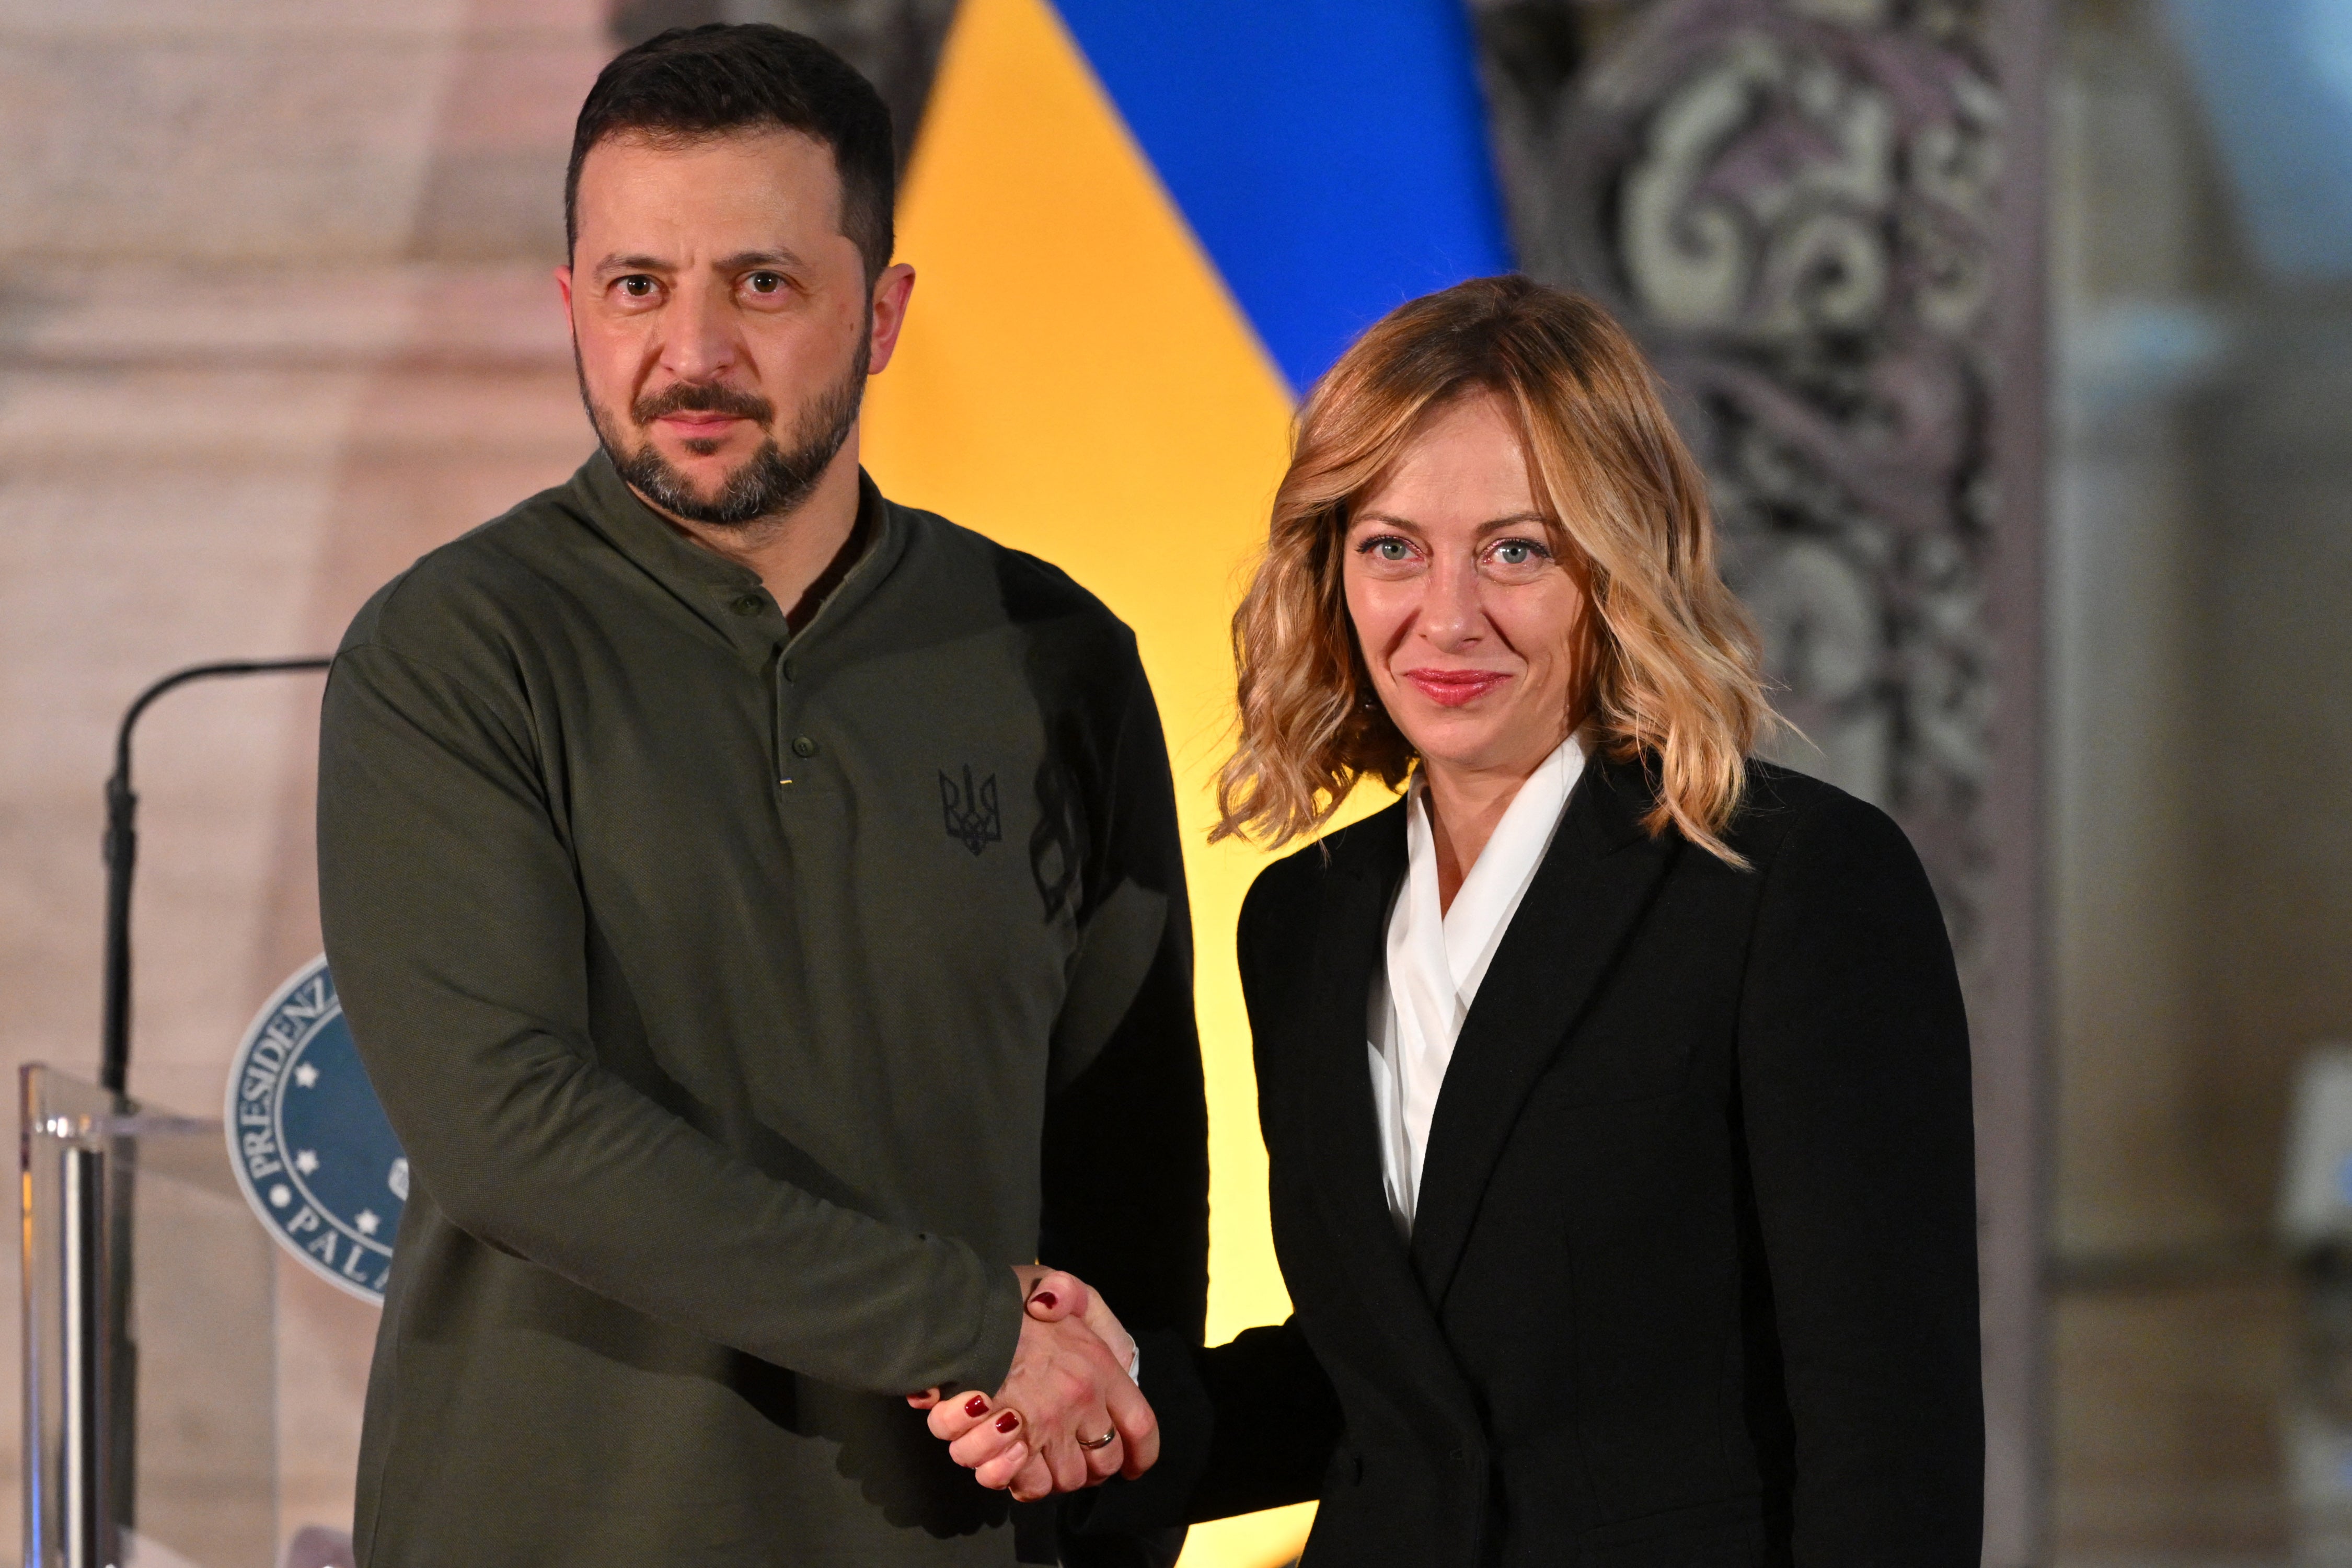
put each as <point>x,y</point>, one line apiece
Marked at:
<point>150,1340</point>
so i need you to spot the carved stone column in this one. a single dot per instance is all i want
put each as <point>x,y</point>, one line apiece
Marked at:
<point>1822,218</point>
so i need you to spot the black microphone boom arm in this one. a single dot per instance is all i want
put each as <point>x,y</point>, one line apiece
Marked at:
<point>121,853</point>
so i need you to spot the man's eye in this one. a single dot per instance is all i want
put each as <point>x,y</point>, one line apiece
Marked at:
<point>765,282</point>
<point>638,286</point>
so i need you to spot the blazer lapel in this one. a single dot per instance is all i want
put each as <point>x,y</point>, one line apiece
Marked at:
<point>1347,951</point>
<point>1592,887</point>
<point>1346,1139</point>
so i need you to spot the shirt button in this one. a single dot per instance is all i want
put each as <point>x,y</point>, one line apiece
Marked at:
<point>791,671</point>
<point>803,747</point>
<point>749,605</point>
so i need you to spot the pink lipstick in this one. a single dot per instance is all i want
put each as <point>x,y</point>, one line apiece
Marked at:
<point>1453,687</point>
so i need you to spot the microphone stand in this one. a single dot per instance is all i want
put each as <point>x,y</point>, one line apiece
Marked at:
<point>121,853</point>
<point>119,1372</point>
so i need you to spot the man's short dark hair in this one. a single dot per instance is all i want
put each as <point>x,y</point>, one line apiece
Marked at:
<point>693,83</point>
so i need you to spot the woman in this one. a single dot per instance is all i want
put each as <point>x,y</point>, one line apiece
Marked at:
<point>1615,1088</point>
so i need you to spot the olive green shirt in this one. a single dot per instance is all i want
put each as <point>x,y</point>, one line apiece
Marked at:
<point>746,1004</point>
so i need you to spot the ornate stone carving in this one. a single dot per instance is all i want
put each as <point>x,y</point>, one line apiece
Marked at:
<point>1792,202</point>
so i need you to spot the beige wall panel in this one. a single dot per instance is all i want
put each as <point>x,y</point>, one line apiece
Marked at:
<point>236,396</point>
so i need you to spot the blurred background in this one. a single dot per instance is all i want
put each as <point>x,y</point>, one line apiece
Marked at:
<point>2016,334</point>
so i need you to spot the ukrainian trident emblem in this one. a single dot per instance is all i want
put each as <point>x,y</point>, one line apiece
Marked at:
<point>972,816</point>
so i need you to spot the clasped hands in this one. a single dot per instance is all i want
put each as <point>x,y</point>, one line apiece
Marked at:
<point>1044,1430</point>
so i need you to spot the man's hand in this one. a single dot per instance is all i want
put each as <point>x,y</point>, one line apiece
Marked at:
<point>1053,1295</point>
<point>1068,1385</point>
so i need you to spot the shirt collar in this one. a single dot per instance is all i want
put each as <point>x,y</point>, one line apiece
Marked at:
<point>728,598</point>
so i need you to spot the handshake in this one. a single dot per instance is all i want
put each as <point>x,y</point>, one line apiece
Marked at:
<point>1069,1416</point>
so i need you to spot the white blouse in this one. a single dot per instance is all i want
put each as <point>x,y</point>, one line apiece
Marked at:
<point>1436,961</point>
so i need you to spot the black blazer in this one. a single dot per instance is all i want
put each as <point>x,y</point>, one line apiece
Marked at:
<point>1692,1281</point>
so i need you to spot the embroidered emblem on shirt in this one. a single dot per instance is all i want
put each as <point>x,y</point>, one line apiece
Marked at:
<point>972,816</point>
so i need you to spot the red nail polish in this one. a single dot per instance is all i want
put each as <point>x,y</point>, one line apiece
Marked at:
<point>976,1406</point>
<point>1044,1298</point>
<point>1008,1421</point>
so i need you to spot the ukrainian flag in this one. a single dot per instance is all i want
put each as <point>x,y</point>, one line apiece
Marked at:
<point>1142,229</point>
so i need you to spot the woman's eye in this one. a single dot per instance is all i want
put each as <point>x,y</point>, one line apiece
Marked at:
<point>1389,549</point>
<point>1519,553</point>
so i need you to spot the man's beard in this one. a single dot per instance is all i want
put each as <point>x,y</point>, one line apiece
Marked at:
<point>772,482</point>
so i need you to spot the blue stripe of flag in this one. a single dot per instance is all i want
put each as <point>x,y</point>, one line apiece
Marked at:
<point>1331,154</point>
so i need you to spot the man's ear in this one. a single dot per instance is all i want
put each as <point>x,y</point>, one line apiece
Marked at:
<point>563,286</point>
<point>891,291</point>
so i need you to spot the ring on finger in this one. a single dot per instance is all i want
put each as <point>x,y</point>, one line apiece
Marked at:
<point>1102,1442</point>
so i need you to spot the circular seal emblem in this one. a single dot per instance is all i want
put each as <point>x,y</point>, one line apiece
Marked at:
<point>308,1137</point>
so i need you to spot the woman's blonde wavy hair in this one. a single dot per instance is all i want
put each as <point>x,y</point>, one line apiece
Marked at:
<point>1675,681</point>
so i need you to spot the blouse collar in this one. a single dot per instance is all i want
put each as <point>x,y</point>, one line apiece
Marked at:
<point>1472,926</point>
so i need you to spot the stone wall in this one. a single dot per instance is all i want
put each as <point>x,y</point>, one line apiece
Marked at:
<point>275,317</point>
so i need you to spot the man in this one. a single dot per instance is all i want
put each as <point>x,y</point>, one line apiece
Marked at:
<point>760,908</point>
